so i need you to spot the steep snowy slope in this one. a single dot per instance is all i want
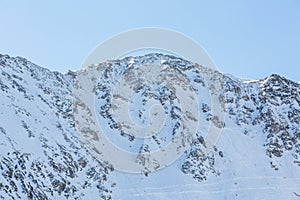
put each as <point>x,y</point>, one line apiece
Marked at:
<point>43,156</point>
<point>41,153</point>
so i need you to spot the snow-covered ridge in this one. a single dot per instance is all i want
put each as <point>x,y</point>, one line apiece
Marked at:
<point>44,157</point>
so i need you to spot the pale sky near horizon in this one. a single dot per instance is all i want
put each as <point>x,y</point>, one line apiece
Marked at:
<point>248,39</point>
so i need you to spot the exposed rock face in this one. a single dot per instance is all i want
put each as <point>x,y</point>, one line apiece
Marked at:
<point>272,104</point>
<point>43,156</point>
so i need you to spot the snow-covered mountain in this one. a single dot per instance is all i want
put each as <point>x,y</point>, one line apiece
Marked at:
<point>43,155</point>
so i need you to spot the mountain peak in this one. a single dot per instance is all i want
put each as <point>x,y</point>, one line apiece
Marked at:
<point>44,156</point>
<point>274,78</point>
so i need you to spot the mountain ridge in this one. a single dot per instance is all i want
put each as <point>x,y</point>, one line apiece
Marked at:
<point>44,157</point>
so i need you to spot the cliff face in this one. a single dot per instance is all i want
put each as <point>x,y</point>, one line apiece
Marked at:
<point>43,156</point>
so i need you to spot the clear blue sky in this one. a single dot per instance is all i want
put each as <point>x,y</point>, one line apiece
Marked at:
<point>247,39</point>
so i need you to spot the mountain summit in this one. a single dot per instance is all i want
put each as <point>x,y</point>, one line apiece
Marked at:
<point>43,156</point>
